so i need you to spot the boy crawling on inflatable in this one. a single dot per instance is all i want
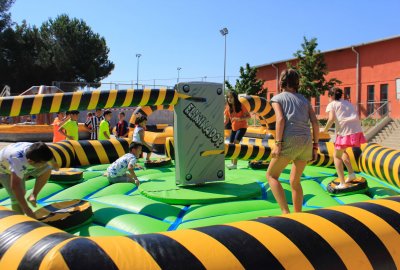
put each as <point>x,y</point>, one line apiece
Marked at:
<point>19,161</point>
<point>122,170</point>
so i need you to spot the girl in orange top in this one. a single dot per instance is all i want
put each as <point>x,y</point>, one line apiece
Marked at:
<point>237,114</point>
<point>58,122</point>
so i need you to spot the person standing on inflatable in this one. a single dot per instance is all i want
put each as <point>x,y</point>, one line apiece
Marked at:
<point>238,115</point>
<point>117,171</point>
<point>93,124</point>
<point>57,123</point>
<point>121,129</point>
<point>70,129</point>
<point>348,133</point>
<point>17,162</point>
<point>293,141</point>
<point>104,127</point>
<point>138,135</point>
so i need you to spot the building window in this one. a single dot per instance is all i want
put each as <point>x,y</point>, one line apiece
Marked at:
<point>384,99</point>
<point>370,99</point>
<point>317,105</point>
<point>347,93</point>
<point>398,89</point>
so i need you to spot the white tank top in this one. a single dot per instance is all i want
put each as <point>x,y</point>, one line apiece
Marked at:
<point>136,135</point>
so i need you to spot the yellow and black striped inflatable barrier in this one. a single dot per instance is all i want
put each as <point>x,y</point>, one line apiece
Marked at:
<point>87,100</point>
<point>357,236</point>
<point>381,162</point>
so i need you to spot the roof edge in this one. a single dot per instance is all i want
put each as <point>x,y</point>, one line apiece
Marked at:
<point>333,50</point>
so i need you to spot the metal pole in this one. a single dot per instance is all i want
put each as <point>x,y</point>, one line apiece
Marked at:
<point>137,70</point>
<point>179,69</point>
<point>223,86</point>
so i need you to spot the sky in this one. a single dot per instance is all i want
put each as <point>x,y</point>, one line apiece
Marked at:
<point>177,33</point>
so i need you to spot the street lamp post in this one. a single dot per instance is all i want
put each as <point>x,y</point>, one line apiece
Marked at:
<point>178,69</point>
<point>224,32</point>
<point>137,70</point>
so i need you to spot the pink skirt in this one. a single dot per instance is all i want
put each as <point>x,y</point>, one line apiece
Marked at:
<point>353,140</point>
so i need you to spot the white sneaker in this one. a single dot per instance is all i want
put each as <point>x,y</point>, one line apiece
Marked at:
<point>231,166</point>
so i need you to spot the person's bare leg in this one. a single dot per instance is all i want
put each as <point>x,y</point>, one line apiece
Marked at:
<point>275,169</point>
<point>339,165</point>
<point>347,163</point>
<point>297,190</point>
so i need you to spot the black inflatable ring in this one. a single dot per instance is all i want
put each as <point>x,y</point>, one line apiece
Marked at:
<point>358,185</point>
<point>158,163</point>
<point>67,176</point>
<point>258,165</point>
<point>65,215</point>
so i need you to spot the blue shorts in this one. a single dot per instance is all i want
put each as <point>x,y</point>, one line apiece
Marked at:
<point>237,135</point>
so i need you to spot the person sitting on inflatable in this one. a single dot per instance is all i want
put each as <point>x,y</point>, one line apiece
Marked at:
<point>19,161</point>
<point>116,172</point>
<point>348,133</point>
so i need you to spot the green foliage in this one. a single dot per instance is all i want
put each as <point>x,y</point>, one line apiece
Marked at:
<point>62,49</point>
<point>323,121</point>
<point>5,16</point>
<point>312,69</point>
<point>248,83</point>
<point>369,122</point>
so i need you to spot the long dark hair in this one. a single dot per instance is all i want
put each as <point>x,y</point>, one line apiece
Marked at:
<point>289,79</point>
<point>237,106</point>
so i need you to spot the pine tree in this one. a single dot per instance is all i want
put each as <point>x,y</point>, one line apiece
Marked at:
<point>312,70</point>
<point>248,83</point>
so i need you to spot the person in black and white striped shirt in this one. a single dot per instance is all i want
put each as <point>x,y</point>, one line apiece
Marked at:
<point>94,121</point>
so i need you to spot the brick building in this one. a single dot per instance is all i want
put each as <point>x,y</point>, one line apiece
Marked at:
<point>370,75</point>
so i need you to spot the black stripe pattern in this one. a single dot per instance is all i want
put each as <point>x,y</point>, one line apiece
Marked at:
<point>247,249</point>
<point>168,253</point>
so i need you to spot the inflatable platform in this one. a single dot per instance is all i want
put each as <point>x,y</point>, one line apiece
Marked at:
<point>229,223</point>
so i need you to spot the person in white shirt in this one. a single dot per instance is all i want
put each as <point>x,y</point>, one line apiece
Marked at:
<point>348,133</point>
<point>117,171</point>
<point>19,161</point>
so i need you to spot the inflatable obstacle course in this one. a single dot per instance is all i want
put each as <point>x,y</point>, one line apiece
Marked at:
<point>65,215</point>
<point>358,185</point>
<point>66,175</point>
<point>162,162</point>
<point>346,232</point>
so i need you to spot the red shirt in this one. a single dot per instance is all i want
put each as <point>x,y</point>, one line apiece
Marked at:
<point>237,124</point>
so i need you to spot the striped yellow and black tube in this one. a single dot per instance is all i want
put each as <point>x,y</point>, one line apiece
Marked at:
<point>147,111</point>
<point>169,148</point>
<point>99,152</point>
<point>64,153</point>
<point>381,162</point>
<point>263,108</point>
<point>87,100</point>
<point>363,235</point>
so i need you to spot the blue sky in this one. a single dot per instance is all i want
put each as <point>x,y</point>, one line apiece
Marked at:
<point>177,33</point>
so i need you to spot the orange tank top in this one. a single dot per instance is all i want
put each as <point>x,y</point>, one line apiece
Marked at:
<point>56,135</point>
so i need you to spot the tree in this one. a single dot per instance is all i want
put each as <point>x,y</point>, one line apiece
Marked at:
<point>248,82</point>
<point>77,53</point>
<point>312,70</point>
<point>62,49</point>
<point>5,17</point>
